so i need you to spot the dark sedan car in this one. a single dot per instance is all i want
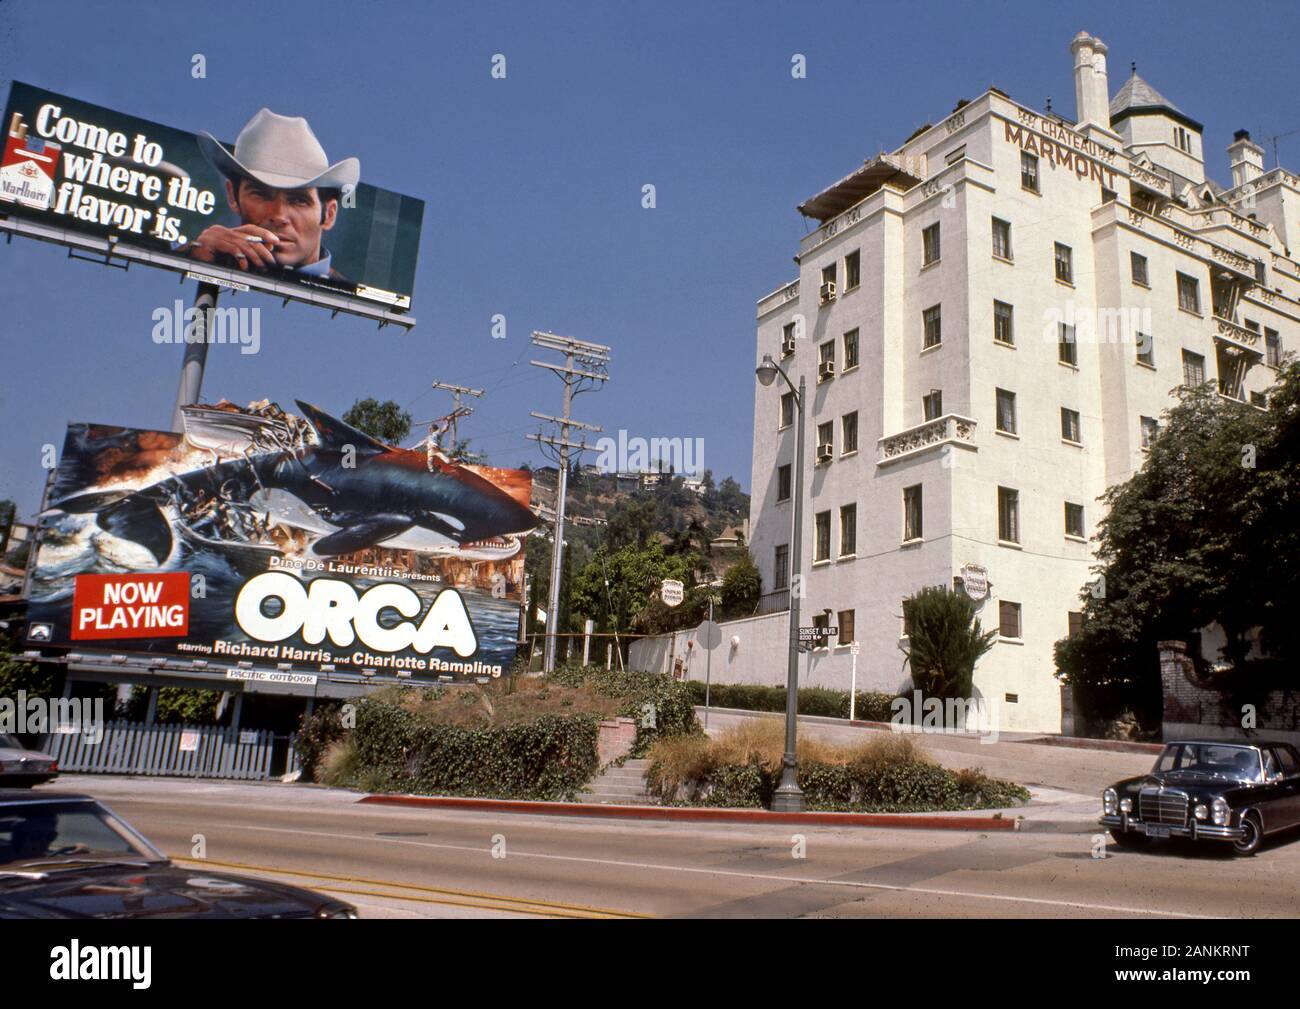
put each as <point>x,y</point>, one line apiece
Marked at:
<point>68,856</point>
<point>1208,791</point>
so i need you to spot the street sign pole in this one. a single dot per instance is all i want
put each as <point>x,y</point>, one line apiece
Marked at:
<point>708,670</point>
<point>853,687</point>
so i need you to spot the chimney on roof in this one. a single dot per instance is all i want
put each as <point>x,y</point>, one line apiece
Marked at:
<point>1245,157</point>
<point>1091,91</point>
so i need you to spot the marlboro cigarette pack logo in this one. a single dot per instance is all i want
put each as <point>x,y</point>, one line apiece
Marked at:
<point>131,606</point>
<point>27,167</point>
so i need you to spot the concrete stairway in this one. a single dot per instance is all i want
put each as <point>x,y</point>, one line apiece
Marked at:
<point>622,786</point>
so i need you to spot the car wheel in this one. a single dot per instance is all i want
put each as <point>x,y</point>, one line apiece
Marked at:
<point>1252,835</point>
<point>1127,839</point>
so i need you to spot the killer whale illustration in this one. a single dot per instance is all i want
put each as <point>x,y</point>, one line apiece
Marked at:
<point>352,490</point>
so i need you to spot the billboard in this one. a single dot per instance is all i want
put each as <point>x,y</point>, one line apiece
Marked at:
<point>263,541</point>
<point>272,204</point>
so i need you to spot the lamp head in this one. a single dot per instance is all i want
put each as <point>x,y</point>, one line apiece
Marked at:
<point>766,371</point>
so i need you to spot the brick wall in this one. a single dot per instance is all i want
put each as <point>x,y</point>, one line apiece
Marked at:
<point>1192,704</point>
<point>615,739</point>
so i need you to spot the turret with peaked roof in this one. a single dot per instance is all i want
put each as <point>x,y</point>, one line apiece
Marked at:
<point>1151,125</point>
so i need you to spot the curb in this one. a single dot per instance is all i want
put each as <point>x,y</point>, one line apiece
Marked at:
<point>694,814</point>
<point>1082,743</point>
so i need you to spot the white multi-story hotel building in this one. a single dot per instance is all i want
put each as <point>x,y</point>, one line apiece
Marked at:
<point>990,321</point>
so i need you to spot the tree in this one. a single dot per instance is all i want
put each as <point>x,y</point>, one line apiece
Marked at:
<point>742,586</point>
<point>631,522</point>
<point>386,421</point>
<point>1203,533</point>
<point>634,575</point>
<point>945,640</point>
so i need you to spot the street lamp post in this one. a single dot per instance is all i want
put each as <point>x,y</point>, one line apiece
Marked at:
<point>788,797</point>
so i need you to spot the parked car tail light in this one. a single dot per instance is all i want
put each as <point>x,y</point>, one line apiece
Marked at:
<point>1126,805</point>
<point>1109,801</point>
<point>1200,812</point>
<point>1222,814</point>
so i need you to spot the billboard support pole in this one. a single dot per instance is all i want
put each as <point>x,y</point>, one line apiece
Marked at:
<point>196,352</point>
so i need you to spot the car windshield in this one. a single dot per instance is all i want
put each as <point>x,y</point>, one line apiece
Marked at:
<point>1240,763</point>
<point>40,836</point>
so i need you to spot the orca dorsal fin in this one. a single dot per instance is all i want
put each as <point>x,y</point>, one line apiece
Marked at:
<point>334,435</point>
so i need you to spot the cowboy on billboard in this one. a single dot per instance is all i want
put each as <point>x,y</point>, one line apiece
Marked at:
<point>286,193</point>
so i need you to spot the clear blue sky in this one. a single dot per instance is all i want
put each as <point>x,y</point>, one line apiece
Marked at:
<point>533,183</point>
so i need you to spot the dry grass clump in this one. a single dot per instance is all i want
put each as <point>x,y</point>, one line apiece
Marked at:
<point>760,742</point>
<point>501,702</point>
<point>339,765</point>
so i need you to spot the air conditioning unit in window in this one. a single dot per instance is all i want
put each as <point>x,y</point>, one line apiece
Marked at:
<point>825,453</point>
<point>825,370</point>
<point>828,291</point>
<point>787,346</point>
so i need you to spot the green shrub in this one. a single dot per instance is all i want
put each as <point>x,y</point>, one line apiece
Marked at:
<point>871,706</point>
<point>316,733</point>
<point>551,758</point>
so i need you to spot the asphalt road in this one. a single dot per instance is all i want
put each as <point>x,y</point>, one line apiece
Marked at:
<point>398,862</point>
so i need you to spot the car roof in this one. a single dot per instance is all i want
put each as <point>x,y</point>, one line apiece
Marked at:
<point>1254,743</point>
<point>24,796</point>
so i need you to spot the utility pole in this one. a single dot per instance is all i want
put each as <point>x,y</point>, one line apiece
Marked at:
<point>196,352</point>
<point>458,411</point>
<point>585,366</point>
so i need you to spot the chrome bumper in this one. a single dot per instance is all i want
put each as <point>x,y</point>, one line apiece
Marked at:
<point>1196,829</point>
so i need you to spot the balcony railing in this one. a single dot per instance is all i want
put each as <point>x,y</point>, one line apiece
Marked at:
<point>950,429</point>
<point>1246,339</point>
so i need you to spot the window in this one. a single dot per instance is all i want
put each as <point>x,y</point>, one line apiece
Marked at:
<point>930,245</point>
<point>788,332</point>
<point>849,433</point>
<point>1003,331</point>
<point>787,409</point>
<point>844,619</point>
<point>848,530</point>
<point>1259,399</point>
<point>955,155</point>
<point>1189,294</point>
<point>828,274</point>
<point>1272,348</point>
<point>1146,349</point>
<point>850,349</point>
<point>912,525</point>
<point>907,619</point>
<point>1009,619</point>
<point>1138,266</point>
<point>932,404</point>
<point>1193,369</point>
<point>1067,350</point>
<point>1001,239</point>
<point>1074,520</point>
<point>783,482</point>
<point>1008,515</point>
<point>1182,140</point>
<point>825,439</point>
<point>1252,325</point>
<point>1028,171</point>
<point>1074,620</point>
<point>933,327</point>
<point>1064,264</point>
<point>781,567</point>
<point>1150,428</point>
<point>852,270</point>
<point>823,621</point>
<point>1006,419</point>
<point>826,361</point>
<point>1070,425</point>
<point>822,536</point>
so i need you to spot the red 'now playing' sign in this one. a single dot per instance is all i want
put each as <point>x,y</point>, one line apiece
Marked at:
<point>131,606</point>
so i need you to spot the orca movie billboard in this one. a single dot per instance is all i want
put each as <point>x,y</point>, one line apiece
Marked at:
<point>273,203</point>
<point>261,539</point>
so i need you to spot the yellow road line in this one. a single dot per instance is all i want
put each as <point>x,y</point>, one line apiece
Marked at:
<point>522,903</point>
<point>478,905</point>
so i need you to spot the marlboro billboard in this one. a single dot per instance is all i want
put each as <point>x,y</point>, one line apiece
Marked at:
<point>264,543</point>
<point>273,203</point>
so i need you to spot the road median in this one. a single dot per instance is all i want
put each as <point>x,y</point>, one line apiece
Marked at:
<point>978,820</point>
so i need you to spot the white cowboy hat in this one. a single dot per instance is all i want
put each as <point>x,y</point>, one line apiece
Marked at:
<point>281,152</point>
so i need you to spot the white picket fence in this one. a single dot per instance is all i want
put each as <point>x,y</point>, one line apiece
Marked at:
<point>206,751</point>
